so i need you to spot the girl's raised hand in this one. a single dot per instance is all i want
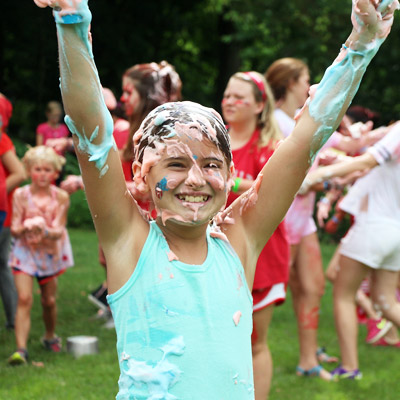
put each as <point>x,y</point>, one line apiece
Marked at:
<point>64,6</point>
<point>373,16</point>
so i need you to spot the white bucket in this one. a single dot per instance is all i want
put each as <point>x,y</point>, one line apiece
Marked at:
<point>82,345</point>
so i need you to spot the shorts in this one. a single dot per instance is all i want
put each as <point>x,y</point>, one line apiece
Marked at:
<point>42,280</point>
<point>275,294</point>
<point>375,243</point>
<point>297,228</point>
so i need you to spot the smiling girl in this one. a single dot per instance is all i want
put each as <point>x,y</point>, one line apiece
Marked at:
<point>180,288</point>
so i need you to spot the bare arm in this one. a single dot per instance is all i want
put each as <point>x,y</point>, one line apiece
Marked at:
<point>15,168</point>
<point>118,223</point>
<point>39,139</point>
<point>17,227</point>
<point>382,151</point>
<point>55,231</point>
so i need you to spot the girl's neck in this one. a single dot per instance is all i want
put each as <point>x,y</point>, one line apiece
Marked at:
<point>289,106</point>
<point>53,124</point>
<point>188,243</point>
<point>39,190</point>
<point>240,134</point>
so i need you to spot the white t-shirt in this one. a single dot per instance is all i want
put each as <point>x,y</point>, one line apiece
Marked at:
<point>382,184</point>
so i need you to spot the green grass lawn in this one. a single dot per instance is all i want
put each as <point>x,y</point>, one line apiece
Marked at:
<point>95,377</point>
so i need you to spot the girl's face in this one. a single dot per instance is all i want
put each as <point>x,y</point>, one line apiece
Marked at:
<point>54,116</point>
<point>239,104</point>
<point>130,96</point>
<point>189,183</point>
<point>301,87</point>
<point>42,174</point>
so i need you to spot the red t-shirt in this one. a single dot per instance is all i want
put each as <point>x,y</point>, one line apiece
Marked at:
<point>3,196</point>
<point>273,262</point>
<point>5,201</point>
<point>121,135</point>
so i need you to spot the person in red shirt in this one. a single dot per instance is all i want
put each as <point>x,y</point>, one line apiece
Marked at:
<point>248,107</point>
<point>12,173</point>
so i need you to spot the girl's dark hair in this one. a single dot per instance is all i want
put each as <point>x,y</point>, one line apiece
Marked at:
<point>161,122</point>
<point>362,114</point>
<point>156,84</point>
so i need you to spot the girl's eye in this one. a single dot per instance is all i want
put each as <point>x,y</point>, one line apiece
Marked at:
<point>176,164</point>
<point>212,165</point>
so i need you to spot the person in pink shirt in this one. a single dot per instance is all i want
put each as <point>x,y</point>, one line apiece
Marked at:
<point>53,128</point>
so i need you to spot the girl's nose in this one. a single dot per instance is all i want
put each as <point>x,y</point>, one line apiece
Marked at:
<point>195,177</point>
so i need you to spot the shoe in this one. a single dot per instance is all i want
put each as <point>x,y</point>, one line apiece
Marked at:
<point>323,356</point>
<point>377,329</point>
<point>342,373</point>
<point>53,345</point>
<point>99,297</point>
<point>309,372</point>
<point>384,342</point>
<point>18,358</point>
<point>316,371</point>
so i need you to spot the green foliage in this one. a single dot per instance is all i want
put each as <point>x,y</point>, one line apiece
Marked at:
<point>78,213</point>
<point>207,41</point>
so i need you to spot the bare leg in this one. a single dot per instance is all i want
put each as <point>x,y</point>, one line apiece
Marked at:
<point>48,292</point>
<point>347,282</point>
<point>392,337</point>
<point>307,285</point>
<point>24,286</point>
<point>383,293</point>
<point>333,266</point>
<point>365,303</point>
<point>262,360</point>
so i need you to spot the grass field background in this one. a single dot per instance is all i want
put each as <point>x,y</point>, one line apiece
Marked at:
<point>95,377</point>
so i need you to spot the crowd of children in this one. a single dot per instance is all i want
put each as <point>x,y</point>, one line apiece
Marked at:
<point>215,212</point>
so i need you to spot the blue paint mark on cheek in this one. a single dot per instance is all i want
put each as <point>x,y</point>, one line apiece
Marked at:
<point>161,187</point>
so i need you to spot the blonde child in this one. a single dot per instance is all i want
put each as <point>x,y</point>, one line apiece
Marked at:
<point>41,249</point>
<point>179,289</point>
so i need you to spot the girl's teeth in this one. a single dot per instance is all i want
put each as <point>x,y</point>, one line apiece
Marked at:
<point>193,199</point>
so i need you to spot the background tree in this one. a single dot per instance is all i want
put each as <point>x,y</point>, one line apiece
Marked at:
<point>206,40</point>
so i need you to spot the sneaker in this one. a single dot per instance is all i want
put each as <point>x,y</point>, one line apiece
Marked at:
<point>18,358</point>
<point>342,373</point>
<point>384,342</point>
<point>53,345</point>
<point>99,297</point>
<point>377,329</point>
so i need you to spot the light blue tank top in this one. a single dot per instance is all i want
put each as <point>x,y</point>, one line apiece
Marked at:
<point>183,331</point>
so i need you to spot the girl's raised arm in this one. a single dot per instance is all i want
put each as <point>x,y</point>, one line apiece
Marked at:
<point>88,119</point>
<point>322,113</point>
